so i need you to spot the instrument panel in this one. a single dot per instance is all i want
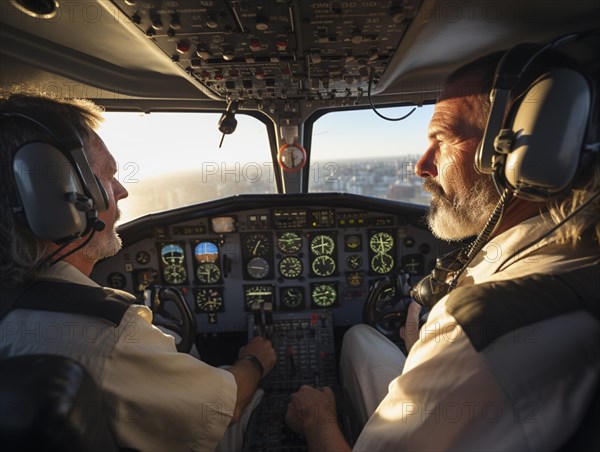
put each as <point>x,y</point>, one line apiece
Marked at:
<point>297,258</point>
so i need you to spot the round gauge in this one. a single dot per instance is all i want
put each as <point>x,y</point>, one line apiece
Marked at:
<point>352,242</point>
<point>258,294</point>
<point>257,268</point>
<point>292,297</point>
<point>172,254</point>
<point>117,280</point>
<point>206,252</point>
<point>289,242</point>
<point>324,295</point>
<point>175,274</point>
<point>382,263</point>
<point>256,244</point>
<point>354,261</point>
<point>290,267</point>
<point>323,266</point>
<point>142,257</point>
<point>354,279</point>
<point>209,300</point>
<point>386,299</point>
<point>381,242</point>
<point>208,273</point>
<point>322,244</point>
<point>291,157</point>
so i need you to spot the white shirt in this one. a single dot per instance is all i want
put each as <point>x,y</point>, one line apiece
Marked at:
<point>525,391</point>
<point>157,399</point>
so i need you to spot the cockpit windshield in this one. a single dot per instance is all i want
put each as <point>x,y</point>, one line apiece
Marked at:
<point>170,160</point>
<point>359,152</point>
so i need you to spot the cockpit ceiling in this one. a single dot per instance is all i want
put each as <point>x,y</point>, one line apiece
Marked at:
<point>265,51</point>
<point>270,53</point>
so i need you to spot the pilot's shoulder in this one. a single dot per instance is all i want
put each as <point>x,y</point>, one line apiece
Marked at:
<point>489,310</point>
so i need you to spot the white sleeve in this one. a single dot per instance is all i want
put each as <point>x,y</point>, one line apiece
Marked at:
<point>162,399</point>
<point>446,398</point>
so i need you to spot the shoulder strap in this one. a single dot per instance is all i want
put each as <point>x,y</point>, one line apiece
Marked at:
<point>490,310</point>
<point>55,296</point>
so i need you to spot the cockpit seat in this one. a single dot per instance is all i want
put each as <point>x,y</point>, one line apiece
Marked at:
<point>51,403</point>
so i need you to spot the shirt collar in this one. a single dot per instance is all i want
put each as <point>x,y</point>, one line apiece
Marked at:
<point>505,246</point>
<point>63,271</point>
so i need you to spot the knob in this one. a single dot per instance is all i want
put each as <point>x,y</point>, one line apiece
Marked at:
<point>202,51</point>
<point>182,46</point>
<point>356,37</point>
<point>175,22</point>
<point>373,54</point>
<point>281,43</point>
<point>211,21</point>
<point>157,23</point>
<point>262,23</point>
<point>228,53</point>
<point>254,44</point>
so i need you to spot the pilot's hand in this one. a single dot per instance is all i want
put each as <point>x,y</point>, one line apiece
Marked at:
<point>263,350</point>
<point>410,331</point>
<point>310,408</point>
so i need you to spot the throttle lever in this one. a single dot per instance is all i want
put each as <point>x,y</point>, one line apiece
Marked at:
<point>258,329</point>
<point>268,307</point>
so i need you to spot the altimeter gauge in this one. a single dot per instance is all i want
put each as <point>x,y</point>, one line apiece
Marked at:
<point>208,273</point>
<point>209,300</point>
<point>290,267</point>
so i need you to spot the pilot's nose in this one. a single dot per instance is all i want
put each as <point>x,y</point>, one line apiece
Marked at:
<point>426,166</point>
<point>119,190</point>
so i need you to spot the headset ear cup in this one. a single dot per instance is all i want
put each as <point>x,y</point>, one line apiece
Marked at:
<point>50,192</point>
<point>548,130</point>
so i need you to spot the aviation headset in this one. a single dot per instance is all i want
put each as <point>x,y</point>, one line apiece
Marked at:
<point>536,150</point>
<point>55,190</point>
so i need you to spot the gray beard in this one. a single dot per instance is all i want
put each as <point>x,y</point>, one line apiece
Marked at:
<point>464,216</point>
<point>104,245</point>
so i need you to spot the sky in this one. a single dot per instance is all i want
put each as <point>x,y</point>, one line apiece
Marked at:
<point>159,143</point>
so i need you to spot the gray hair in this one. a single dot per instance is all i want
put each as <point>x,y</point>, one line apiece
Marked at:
<point>21,252</point>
